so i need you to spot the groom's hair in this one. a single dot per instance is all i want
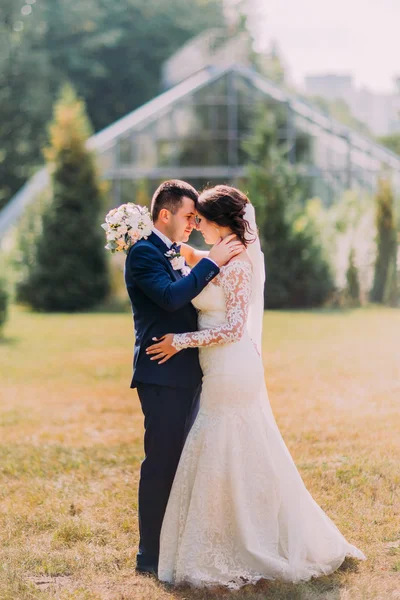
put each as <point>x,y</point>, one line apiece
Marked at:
<point>169,195</point>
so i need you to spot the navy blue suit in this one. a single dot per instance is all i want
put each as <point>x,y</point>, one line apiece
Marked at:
<point>169,393</point>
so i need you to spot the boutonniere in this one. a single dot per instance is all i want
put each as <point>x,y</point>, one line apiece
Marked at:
<point>177,261</point>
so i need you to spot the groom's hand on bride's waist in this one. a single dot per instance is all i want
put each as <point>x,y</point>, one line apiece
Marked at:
<point>225,249</point>
<point>163,349</point>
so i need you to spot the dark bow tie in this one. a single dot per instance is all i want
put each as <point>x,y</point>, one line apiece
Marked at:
<point>176,247</point>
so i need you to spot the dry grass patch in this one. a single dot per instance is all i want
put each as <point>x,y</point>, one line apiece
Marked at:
<point>71,446</point>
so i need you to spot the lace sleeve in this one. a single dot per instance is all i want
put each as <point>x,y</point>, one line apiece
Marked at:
<point>236,283</point>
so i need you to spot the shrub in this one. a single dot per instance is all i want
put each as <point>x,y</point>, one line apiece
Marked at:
<point>297,272</point>
<point>4,297</point>
<point>67,268</point>
<point>353,284</point>
<point>391,295</point>
<point>386,241</point>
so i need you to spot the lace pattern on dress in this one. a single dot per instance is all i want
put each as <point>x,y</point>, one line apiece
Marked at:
<point>235,280</point>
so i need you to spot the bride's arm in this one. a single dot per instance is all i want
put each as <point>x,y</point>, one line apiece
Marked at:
<point>237,289</point>
<point>236,284</point>
<point>193,256</point>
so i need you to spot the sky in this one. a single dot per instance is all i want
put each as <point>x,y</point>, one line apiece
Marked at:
<point>359,37</point>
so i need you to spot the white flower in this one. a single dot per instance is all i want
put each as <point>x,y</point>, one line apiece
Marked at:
<point>178,263</point>
<point>147,229</point>
<point>185,270</point>
<point>133,221</point>
<point>134,235</point>
<point>122,229</point>
<point>114,219</point>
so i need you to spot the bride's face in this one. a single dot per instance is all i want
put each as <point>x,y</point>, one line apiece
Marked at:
<point>210,231</point>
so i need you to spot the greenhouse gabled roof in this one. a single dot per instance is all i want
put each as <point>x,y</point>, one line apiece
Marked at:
<point>205,77</point>
<point>151,109</point>
<point>319,124</point>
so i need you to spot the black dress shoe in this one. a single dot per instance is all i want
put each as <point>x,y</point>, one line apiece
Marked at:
<point>149,570</point>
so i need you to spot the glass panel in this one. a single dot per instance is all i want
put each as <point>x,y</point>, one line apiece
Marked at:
<point>246,114</point>
<point>218,117</point>
<point>208,119</point>
<point>246,93</point>
<point>204,152</point>
<point>243,157</point>
<point>127,191</point>
<point>105,160</point>
<point>214,93</point>
<point>201,120</point>
<point>125,151</point>
<point>184,120</point>
<point>145,151</point>
<point>164,126</point>
<point>304,147</point>
<point>168,153</point>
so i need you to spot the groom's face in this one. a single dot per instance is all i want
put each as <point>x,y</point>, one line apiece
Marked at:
<point>182,222</point>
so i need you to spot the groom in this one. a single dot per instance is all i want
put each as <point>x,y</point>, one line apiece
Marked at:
<point>160,291</point>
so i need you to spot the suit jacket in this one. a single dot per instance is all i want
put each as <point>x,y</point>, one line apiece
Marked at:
<point>160,298</point>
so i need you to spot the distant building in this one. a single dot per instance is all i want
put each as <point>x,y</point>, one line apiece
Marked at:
<point>330,86</point>
<point>381,112</point>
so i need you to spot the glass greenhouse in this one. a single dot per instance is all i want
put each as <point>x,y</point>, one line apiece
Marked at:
<point>195,131</point>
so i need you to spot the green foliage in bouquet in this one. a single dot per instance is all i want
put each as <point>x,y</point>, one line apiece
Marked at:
<point>297,271</point>
<point>65,266</point>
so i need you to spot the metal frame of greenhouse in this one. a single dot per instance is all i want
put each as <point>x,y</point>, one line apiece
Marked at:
<point>195,131</point>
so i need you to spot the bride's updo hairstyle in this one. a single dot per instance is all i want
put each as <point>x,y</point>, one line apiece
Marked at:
<point>225,206</point>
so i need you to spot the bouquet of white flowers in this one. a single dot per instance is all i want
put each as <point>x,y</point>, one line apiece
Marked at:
<point>126,225</point>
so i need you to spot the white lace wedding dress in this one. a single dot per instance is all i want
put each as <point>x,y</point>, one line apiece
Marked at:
<point>238,510</point>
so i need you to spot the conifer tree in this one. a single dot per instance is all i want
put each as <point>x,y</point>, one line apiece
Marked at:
<point>386,239</point>
<point>70,269</point>
<point>3,303</point>
<point>297,273</point>
<point>353,283</point>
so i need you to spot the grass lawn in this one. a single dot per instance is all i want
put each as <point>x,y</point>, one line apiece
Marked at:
<point>71,446</point>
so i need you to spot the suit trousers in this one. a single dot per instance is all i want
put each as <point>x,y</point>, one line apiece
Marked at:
<point>168,416</point>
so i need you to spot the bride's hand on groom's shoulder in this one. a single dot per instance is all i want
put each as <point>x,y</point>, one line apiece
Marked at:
<point>225,249</point>
<point>163,349</point>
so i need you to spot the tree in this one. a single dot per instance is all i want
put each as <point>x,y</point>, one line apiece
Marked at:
<point>3,303</point>
<point>115,50</point>
<point>386,238</point>
<point>353,284</point>
<point>270,64</point>
<point>25,256</point>
<point>391,141</point>
<point>391,295</point>
<point>298,275</point>
<point>69,270</point>
<point>25,104</point>
<point>107,50</point>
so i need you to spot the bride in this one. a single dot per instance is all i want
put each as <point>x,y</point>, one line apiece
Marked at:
<point>238,509</point>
